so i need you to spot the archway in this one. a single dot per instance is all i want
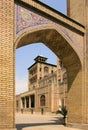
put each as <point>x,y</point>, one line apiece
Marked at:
<point>60,45</point>
<point>72,32</point>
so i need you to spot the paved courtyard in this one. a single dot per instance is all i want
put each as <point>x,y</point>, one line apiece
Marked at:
<point>39,122</point>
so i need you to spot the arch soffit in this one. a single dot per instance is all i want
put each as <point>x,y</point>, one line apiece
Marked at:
<point>45,27</point>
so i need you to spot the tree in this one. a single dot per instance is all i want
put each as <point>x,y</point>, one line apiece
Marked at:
<point>63,112</point>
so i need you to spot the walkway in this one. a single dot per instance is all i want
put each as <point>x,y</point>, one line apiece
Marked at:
<point>39,122</point>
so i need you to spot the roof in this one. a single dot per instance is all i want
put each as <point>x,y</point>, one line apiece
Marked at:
<point>40,58</point>
<point>42,63</point>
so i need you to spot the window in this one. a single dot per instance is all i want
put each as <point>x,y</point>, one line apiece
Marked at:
<point>40,77</point>
<point>33,87</point>
<point>40,69</point>
<point>60,82</point>
<point>52,71</point>
<point>46,69</point>
<point>50,81</point>
<point>42,100</point>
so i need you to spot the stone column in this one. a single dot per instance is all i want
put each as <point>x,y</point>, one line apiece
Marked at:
<point>29,102</point>
<point>7,80</point>
<point>21,104</point>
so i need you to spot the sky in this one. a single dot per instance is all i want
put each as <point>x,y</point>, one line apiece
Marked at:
<point>25,55</point>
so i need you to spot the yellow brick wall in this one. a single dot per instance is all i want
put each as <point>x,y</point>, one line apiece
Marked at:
<point>76,10</point>
<point>6,64</point>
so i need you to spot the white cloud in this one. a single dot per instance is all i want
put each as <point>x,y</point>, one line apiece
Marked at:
<point>21,85</point>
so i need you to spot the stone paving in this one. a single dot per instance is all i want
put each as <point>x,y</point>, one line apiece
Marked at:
<point>40,122</point>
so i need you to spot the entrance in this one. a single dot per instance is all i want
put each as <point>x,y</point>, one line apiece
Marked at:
<point>65,37</point>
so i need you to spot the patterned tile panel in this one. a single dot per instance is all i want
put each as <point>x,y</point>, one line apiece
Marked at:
<point>27,19</point>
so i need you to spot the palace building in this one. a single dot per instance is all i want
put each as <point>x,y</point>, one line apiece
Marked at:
<point>47,88</point>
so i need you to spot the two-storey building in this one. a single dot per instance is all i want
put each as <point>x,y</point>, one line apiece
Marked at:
<point>46,89</point>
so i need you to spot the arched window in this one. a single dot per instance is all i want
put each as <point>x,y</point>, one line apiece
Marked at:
<point>42,100</point>
<point>46,69</point>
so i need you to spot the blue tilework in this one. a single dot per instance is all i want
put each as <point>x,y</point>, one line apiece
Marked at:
<point>27,19</point>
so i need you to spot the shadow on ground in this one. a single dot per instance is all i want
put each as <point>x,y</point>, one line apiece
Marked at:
<point>55,122</point>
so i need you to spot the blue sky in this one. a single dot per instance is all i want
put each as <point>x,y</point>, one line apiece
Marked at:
<point>59,5</point>
<point>25,55</point>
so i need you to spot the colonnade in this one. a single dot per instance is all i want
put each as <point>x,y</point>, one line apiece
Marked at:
<point>27,101</point>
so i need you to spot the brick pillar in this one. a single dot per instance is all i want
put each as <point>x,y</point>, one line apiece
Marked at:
<point>74,98</point>
<point>7,97</point>
<point>76,88</point>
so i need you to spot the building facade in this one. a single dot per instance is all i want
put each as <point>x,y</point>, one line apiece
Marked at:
<point>46,88</point>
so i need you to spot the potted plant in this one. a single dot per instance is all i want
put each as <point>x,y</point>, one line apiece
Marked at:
<point>63,112</point>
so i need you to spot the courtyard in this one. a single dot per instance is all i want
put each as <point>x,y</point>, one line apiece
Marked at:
<point>40,122</point>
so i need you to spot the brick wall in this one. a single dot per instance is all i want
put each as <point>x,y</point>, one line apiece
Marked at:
<point>6,64</point>
<point>76,10</point>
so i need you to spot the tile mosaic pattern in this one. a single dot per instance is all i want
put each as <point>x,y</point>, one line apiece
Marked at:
<point>27,19</point>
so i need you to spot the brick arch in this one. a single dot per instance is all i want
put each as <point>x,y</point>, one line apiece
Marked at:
<point>46,34</point>
<point>36,30</point>
<point>57,41</point>
<point>65,29</point>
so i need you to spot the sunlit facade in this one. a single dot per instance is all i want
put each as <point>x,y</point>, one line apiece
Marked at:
<point>47,88</point>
